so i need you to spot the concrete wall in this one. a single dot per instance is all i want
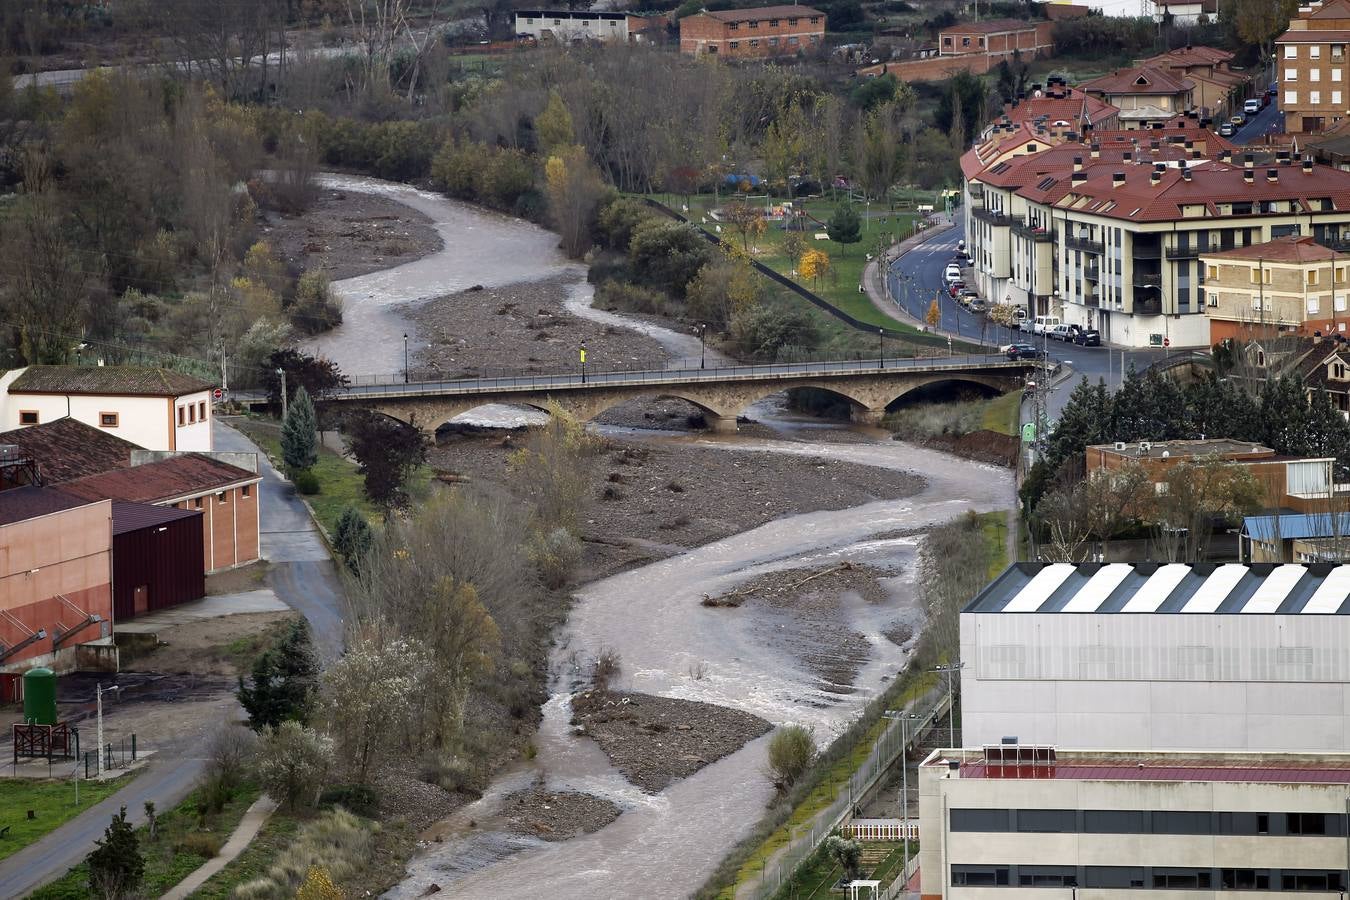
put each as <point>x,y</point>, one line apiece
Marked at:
<point>572,28</point>
<point>149,422</point>
<point>1157,681</point>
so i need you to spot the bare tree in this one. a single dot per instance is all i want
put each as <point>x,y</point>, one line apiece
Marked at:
<point>1191,497</point>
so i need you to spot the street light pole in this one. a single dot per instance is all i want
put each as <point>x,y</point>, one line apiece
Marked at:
<point>406,376</point>
<point>881,333</point>
<point>583,362</point>
<point>702,346</point>
<point>951,669</point>
<point>282,373</point>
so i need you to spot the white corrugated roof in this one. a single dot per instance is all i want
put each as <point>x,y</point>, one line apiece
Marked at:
<point>1274,589</point>
<point>1157,589</point>
<point>1330,596</point>
<point>1215,590</point>
<point>1098,588</point>
<point>1046,582</point>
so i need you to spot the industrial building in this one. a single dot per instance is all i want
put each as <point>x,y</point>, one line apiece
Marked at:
<point>1152,656</point>
<point>1014,820</point>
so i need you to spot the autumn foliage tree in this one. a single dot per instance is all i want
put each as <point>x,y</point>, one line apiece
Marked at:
<point>814,265</point>
<point>574,189</point>
<point>934,315</point>
<point>745,220</point>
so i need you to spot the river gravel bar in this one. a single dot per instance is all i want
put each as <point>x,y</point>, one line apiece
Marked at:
<point>521,328</point>
<point>654,741</point>
<point>557,815</point>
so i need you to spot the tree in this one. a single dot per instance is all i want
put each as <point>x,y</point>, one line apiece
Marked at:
<point>721,290</point>
<point>320,377</point>
<point>745,220</point>
<point>387,452</point>
<point>553,127</point>
<point>792,749</point>
<point>314,308</point>
<point>282,684</point>
<point>116,866</point>
<point>667,255</point>
<point>1260,21</point>
<point>369,696</point>
<point>794,245</point>
<point>556,468</point>
<point>293,762</point>
<point>47,292</point>
<point>814,265</point>
<point>934,315</point>
<point>1191,497</point>
<point>847,855</point>
<point>844,226</point>
<point>352,537</point>
<point>574,188</point>
<point>299,437</point>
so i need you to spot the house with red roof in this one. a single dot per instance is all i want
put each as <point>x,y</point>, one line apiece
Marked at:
<point>1145,95</point>
<point>1312,67</point>
<point>1291,285</point>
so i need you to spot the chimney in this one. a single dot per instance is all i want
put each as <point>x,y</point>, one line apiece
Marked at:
<point>1307,167</point>
<point>1189,144</point>
<point>1155,144</point>
<point>1078,177</point>
<point>1248,160</point>
<point>1282,157</point>
<point>1078,163</point>
<point>1096,150</point>
<point>1117,179</point>
<point>1273,176</point>
<point>1225,156</point>
<point>1185,174</point>
<point>1155,176</point>
<point>1196,154</point>
<point>1128,157</point>
<point>1248,175</point>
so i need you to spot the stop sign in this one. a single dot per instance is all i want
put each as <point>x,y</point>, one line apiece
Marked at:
<point>1167,342</point>
<point>218,394</point>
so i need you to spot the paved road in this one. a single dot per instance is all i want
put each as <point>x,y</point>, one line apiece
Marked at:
<point>302,573</point>
<point>1268,121</point>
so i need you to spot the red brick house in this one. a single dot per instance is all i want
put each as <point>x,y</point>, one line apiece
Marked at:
<point>753,33</point>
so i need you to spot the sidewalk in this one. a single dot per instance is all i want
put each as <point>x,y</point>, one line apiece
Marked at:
<point>874,280</point>
<point>254,819</point>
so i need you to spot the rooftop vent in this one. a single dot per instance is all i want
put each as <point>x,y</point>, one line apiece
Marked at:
<point>1117,179</point>
<point>1095,150</point>
<point>1248,175</point>
<point>1248,160</point>
<point>1078,163</point>
<point>1273,176</point>
<point>1307,167</point>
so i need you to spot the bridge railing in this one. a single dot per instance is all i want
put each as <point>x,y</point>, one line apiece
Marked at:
<point>397,385</point>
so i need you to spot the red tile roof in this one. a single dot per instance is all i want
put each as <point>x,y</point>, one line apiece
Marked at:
<point>1146,80</point>
<point>1286,249</point>
<point>167,479</point>
<point>1314,37</point>
<point>1337,9</point>
<point>762,12</point>
<point>66,449</point>
<point>106,380</point>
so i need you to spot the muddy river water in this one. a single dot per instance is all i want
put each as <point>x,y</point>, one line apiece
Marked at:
<point>749,658</point>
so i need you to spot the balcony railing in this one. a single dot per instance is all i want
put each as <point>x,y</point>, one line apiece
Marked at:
<point>1084,244</point>
<point>993,218</point>
<point>1092,273</point>
<point>1147,306</point>
<point>1033,232</point>
<point>1148,280</point>
<point>1183,252</point>
<point>1147,252</point>
<point>1093,299</point>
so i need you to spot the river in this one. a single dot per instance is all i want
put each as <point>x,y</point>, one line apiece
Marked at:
<point>749,658</point>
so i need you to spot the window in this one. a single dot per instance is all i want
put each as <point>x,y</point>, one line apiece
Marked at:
<point>246,491</point>
<point>1047,820</point>
<point>734,44</point>
<point>1315,51</point>
<point>814,20</point>
<point>754,23</point>
<point>1113,877</point>
<point>1312,880</point>
<point>794,40</point>
<point>220,497</point>
<point>1307,823</point>
<point>988,820</point>
<point>977,876</point>
<point>1314,305</point>
<point>201,411</point>
<point>1113,821</point>
<point>107,419</point>
<point>773,23</point>
<point>792,22</point>
<point>1339,304</point>
<point>1315,98</point>
<point>773,42</point>
<point>755,42</point>
<point>182,416</point>
<point>733,26</point>
<point>1338,371</point>
<point>28,417</point>
<point>1338,52</point>
<point>1212,272</point>
<point>1315,75</point>
<point>1047,876</point>
<point>946,42</point>
<point>1252,879</point>
<point>529,21</point>
<point>197,502</point>
<point>192,413</point>
<point>1336,74</point>
<point>965,42</point>
<point>1336,97</point>
<point>1181,878</point>
<point>1312,276</point>
<point>1291,51</point>
<point>1290,98</point>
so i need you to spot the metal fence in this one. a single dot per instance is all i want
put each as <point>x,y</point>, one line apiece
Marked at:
<point>884,753</point>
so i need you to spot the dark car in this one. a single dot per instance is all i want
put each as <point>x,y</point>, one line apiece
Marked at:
<point>1087,337</point>
<point>1025,351</point>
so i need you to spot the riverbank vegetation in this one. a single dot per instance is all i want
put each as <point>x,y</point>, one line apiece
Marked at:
<point>975,427</point>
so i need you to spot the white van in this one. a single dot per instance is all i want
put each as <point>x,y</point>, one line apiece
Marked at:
<point>1252,107</point>
<point>952,273</point>
<point>1042,324</point>
<point>1062,332</point>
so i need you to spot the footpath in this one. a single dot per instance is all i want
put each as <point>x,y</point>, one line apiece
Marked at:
<point>874,277</point>
<point>255,817</point>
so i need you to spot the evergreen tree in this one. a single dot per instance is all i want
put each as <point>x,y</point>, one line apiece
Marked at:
<point>116,866</point>
<point>844,226</point>
<point>299,434</point>
<point>283,681</point>
<point>1327,432</point>
<point>1129,416</point>
<point>353,538</point>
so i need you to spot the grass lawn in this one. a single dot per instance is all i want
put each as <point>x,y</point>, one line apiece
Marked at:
<point>185,842</point>
<point>340,485</point>
<point>1001,413</point>
<point>52,802</point>
<point>275,836</point>
<point>815,878</point>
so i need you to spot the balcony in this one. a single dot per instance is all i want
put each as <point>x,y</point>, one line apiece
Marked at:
<point>1033,233</point>
<point>1094,299</point>
<point>1084,244</point>
<point>1183,252</point>
<point>1147,306</point>
<point>976,190</point>
<point>993,218</point>
<point>1148,280</point>
<point>1092,272</point>
<point>1147,252</point>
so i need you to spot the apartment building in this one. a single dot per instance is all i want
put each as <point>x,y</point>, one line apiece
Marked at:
<point>1018,820</point>
<point>750,33</point>
<point>1145,95</point>
<point>1217,88</point>
<point>1311,61</point>
<point>998,39</point>
<point>1289,285</point>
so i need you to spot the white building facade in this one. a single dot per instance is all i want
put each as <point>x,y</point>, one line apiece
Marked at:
<point>1093,826</point>
<point>1160,657</point>
<point>569,26</point>
<point>156,409</point>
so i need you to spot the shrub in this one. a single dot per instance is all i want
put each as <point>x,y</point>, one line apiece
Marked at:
<point>336,841</point>
<point>352,538</point>
<point>631,298</point>
<point>451,773</point>
<point>199,843</point>
<point>358,798</point>
<point>791,750</point>
<point>555,554</point>
<point>116,866</point>
<point>667,255</point>
<point>314,308</point>
<point>292,763</point>
<point>605,670</point>
<point>617,220</point>
<point>306,482</point>
<point>231,753</point>
<point>212,794</point>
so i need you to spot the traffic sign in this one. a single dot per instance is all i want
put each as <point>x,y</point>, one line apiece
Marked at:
<point>218,394</point>
<point>1167,342</point>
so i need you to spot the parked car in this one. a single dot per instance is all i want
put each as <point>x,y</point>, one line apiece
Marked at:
<point>1239,119</point>
<point>1274,90</point>
<point>1252,106</point>
<point>1061,332</point>
<point>1227,130</point>
<point>976,305</point>
<point>1043,324</point>
<point>1025,351</point>
<point>951,273</point>
<point>1087,337</point>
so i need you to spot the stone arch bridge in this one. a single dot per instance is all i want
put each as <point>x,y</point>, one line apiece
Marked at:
<point>721,392</point>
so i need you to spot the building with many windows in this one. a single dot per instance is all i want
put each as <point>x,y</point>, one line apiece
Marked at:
<point>749,33</point>
<point>573,26</point>
<point>1291,285</point>
<point>1311,67</point>
<point>998,39</point>
<point>1015,820</point>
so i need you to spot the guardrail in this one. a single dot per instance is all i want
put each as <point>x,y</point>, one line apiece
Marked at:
<point>884,752</point>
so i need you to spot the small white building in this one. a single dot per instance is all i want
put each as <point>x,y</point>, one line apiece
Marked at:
<point>1151,656</point>
<point>157,409</point>
<point>1044,823</point>
<point>568,26</point>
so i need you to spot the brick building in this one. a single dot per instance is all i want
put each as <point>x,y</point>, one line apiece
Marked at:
<point>1312,65</point>
<point>752,33</point>
<point>1289,285</point>
<point>998,39</point>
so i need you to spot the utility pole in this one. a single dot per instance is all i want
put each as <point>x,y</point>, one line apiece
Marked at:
<point>98,702</point>
<point>282,373</point>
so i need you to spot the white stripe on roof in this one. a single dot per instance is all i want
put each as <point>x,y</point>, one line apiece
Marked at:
<point>1039,589</point>
<point>1099,587</point>
<point>1274,589</point>
<point>1332,593</point>
<point>1216,589</point>
<point>1157,589</point>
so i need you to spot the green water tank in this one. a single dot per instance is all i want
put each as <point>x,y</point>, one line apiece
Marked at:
<point>39,696</point>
